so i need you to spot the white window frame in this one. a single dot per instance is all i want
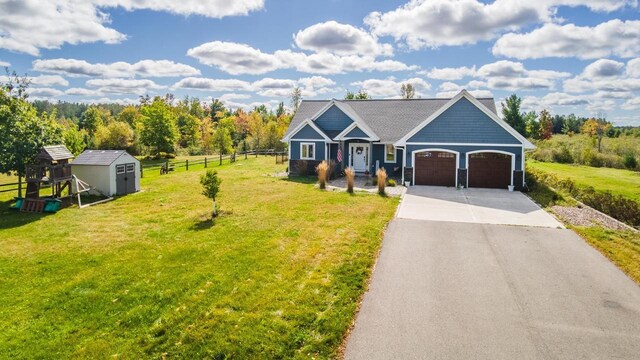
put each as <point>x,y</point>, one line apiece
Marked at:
<point>386,161</point>
<point>302,145</point>
<point>120,166</point>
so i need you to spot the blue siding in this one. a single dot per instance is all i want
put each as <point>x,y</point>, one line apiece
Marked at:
<point>333,120</point>
<point>307,132</point>
<point>463,123</point>
<point>463,152</point>
<point>295,149</point>
<point>379,155</point>
<point>356,133</point>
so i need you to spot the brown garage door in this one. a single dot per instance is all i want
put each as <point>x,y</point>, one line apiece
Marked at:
<point>489,170</point>
<point>435,168</point>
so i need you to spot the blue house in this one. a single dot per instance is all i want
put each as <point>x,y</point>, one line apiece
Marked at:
<point>447,142</point>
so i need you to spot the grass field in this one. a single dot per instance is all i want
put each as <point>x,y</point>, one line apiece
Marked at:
<point>617,181</point>
<point>278,275</point>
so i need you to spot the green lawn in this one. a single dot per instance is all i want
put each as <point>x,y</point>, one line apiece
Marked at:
<point>278,275</point>
<point>617,181</point>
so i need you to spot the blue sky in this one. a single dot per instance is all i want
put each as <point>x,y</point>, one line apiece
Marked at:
<point>580,56</point>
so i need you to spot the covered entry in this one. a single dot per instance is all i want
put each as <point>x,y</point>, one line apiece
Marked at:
<point>435,167</point>
<point>490,169</point>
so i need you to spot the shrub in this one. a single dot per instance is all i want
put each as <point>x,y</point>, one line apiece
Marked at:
<point>195,150</point>
<point>322,169</point>
<point>381,176</point>
<point>629,161</point>
<point>391,182</point>
<point>562,155</point>
<point>350,174</point>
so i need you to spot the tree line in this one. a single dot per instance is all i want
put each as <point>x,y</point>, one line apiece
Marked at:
<point>159,126</point>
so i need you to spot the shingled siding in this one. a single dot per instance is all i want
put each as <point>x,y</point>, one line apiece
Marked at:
<point>333,120</point>
<point>306,133</point>
<point>516,150</point>
<point>295,149</point>
<point>463,123</point>
<point>356,133</point>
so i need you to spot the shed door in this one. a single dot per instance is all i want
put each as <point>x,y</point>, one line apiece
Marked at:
<point>131,178</point>
<point>121,180</point>
<point>435,168</point>
<point>489,170</point>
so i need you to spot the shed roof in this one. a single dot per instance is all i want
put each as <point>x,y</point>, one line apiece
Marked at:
<point>55,153</point>
<point>390,119</point>
<point>98,157</point>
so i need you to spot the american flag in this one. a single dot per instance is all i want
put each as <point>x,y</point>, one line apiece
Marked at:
<point>339,158</point>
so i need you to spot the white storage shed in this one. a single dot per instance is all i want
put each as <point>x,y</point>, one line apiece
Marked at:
<point>112,172</point>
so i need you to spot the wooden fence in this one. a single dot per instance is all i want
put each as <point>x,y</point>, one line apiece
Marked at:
<point>13,187</point>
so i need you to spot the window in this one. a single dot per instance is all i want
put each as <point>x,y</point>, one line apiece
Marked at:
<point>308,151</point>
<point>119,169</point>
<point>389,153</point>
<point>131,168</point>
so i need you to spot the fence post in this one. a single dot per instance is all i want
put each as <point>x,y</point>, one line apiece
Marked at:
<point>220,157</point>
<point>187,166</point>
<point>245,155</point>
<point>141,171</point>
<point>256,153</point>
<point>19,186</point>
<point>205,162</point>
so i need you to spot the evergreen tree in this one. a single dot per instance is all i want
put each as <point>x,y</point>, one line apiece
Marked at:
<point>512,115</point>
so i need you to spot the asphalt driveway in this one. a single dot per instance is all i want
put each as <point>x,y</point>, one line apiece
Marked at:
<point>484,206</point>
<point>447,290</point>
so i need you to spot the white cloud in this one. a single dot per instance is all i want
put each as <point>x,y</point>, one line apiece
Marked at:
<point>42,80</point>
<point>212,84</point>
<point>449,89</point>
<point>4,64</point>
<point>475,93</point>
<point>449,73</point>
<point>511,75</point>
<point>633,68</point>
<point>390,87</point>
<point>614,37</point>
<point>236,59</point>
<point>632,104</point>
<point>234,96</point>
<point>143,68</point>
<point>82,92</point>
<point>44,92</point>
<point>123,86</point>
<point>106,100</point>
<point>31,25</point>
<point>340,39</point>
<point>603,68</point>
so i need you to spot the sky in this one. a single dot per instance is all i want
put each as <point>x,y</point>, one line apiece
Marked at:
<point>567,56</point>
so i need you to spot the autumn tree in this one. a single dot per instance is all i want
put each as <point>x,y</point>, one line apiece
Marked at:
<point>129,115</point>
<point>596,129</point>
<point>546,125</point>
<point>114,136</point>
<point>92,119</point>
<point>512,115</point>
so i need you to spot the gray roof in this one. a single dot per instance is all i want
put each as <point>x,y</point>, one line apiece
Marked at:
<point>390,119</point>
<point>98,157</point>
<point>55,153</point>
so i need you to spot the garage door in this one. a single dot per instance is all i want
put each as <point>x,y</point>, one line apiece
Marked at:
<point>489,170</point>
<point>435,168</point>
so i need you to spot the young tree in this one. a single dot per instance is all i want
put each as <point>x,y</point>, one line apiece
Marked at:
<point>210,187</point>
<point>546,125</point>
<point>511,114</point>
<point>296,98</point>
<point>407,91</point>
<point>597,129</point>
<point>532,125</point>
<point>158,126</point>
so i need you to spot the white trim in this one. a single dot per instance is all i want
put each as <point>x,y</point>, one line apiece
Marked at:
<point>395,155</point>
<point>413,161</point>
<point>348,129</point>
<point>314,151</point>
<point>367,160</point>
<point>404,162</point>
<point>464,93</point>
<point>301,126</point>
<point>326,152</point>
<point>513,161</point>
<point>462,144</point>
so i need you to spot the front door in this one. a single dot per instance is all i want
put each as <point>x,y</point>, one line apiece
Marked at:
<point>121,180</point>
<point>131,178</point>
<point>359,153</point>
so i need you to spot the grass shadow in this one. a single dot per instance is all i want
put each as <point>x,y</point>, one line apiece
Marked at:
<point>301,179</point>
<point>11,218</point>
<point>203,225</point>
